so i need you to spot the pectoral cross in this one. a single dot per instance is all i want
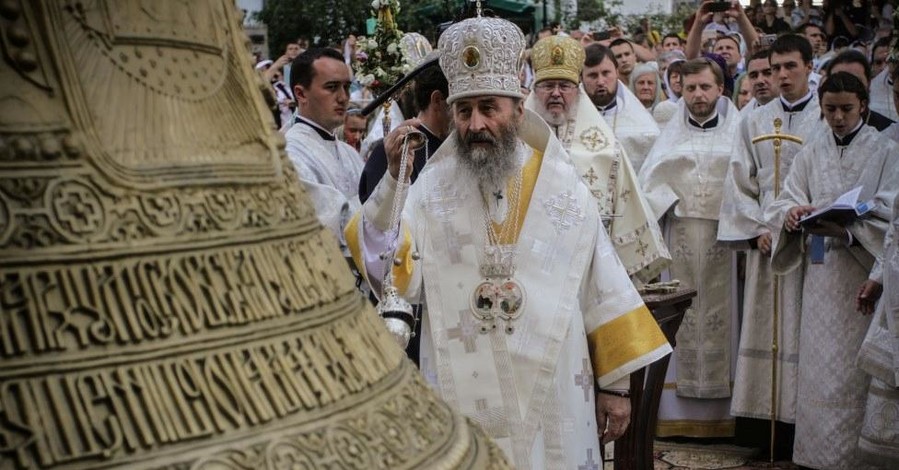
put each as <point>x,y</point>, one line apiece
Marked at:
<point>778,139</point>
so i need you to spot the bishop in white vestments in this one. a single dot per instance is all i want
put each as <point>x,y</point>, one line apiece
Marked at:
<point>683,180</point>
<point>597,155</point>
<point>531,324</point>
<point>328,168</point>
<point>837,259</point>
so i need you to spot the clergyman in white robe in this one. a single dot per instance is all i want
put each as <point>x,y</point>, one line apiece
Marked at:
<point>832,389</point>
<point>606,170</point>
<point>583,323</point>
<point>882,95</point>
<point>749,190</point>
<point>632,124</point>
<point>329,170</point>
<point>683,180</point>
<point>879,357</point>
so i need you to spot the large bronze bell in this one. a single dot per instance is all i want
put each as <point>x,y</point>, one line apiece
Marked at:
<point>168,298</point>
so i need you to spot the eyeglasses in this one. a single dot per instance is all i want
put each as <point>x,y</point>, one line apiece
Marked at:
<point>549,87</point>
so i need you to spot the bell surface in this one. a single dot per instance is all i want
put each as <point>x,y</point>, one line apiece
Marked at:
<point>168,298</point>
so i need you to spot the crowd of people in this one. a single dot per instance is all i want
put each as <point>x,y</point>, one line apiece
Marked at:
<point>552,189</point>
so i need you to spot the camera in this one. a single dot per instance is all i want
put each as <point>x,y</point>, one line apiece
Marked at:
<point>767,40</point>
<point>719,5</point>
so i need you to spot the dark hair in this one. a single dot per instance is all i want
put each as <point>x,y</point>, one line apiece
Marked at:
<point>792,43</point>
<point>843,82</point>
<point>301,70</point>
<point>801,29</point>
<point>620,41</point>
<point>695,66</point>
<point>596,53</point>
<point>882,42</point>
<point>763,54</point>
<point>733,38</point>
<point>428,82</point>
<point>675,67</point>
<point>671,35</point>
<point>851,56</point>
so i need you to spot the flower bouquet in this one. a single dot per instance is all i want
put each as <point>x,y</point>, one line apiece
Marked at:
<point>379,61</point>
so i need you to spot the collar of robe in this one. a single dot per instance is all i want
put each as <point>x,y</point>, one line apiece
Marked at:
<point>609,107</point>
<point>709,123</point>
<point>798,106</point>
<point>847,139</point>
<point>318,129</point>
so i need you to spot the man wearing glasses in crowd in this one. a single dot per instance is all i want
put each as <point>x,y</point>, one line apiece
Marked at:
<point>603,164</point>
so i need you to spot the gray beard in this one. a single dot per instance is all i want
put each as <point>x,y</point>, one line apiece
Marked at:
<point>490,167</point>
<point>559,119</point>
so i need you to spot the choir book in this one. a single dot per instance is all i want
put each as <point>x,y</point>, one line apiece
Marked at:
<point>844,211</point>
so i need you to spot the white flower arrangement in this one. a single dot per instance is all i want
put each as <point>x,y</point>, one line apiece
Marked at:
<point>379,61</point>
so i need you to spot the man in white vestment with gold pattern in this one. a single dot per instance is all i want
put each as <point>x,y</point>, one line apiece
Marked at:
<point>531,324</point>
<point>683,179</point>
<point>597,155</point>
<point>837,258</point>
<point>329,168</point>
<point>879,355</point>
<point>630,121</point>
<point>749,190</point>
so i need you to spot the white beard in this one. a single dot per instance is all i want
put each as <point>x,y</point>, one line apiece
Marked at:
<point>556,119</point>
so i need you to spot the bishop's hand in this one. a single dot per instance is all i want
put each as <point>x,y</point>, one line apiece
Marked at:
<point>393,147</point>
<point>613,415</point>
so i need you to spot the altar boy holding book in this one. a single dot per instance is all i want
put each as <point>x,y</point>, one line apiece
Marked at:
<point>836,259</point>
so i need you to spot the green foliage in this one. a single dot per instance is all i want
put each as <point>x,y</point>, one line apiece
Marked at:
<point>605,13</point>
<point>589,10</point>
<point>331,21</point>
<point>662,22</point>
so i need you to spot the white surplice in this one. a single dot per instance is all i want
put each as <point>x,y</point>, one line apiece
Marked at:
<point>683,180</point>
<point>879,357</point>
<point>749,190</point>
<point>882,95</point>
<point>606,170</point>
<point>633,125</point>
<point>583,322</point>
<point>330,172</point>
<point>832,389</point>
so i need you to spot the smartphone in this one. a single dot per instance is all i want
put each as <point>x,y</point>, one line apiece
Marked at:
<point>602,35</point>
<point>719,5</point>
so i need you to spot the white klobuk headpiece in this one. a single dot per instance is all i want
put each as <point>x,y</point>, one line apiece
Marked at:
<point>482,56</point>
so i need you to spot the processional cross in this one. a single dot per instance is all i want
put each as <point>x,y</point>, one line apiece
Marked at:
<point>777,137</point>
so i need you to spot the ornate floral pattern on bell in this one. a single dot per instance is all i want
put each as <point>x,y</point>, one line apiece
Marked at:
<point>168,298</point>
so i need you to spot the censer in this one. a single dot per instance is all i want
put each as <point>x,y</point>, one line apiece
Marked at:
<point>168,298</point>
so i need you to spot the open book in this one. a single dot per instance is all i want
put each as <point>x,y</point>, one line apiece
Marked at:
<point>845,210</point>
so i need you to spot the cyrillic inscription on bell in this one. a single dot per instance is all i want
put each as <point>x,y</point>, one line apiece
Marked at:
<point>168,298</point>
